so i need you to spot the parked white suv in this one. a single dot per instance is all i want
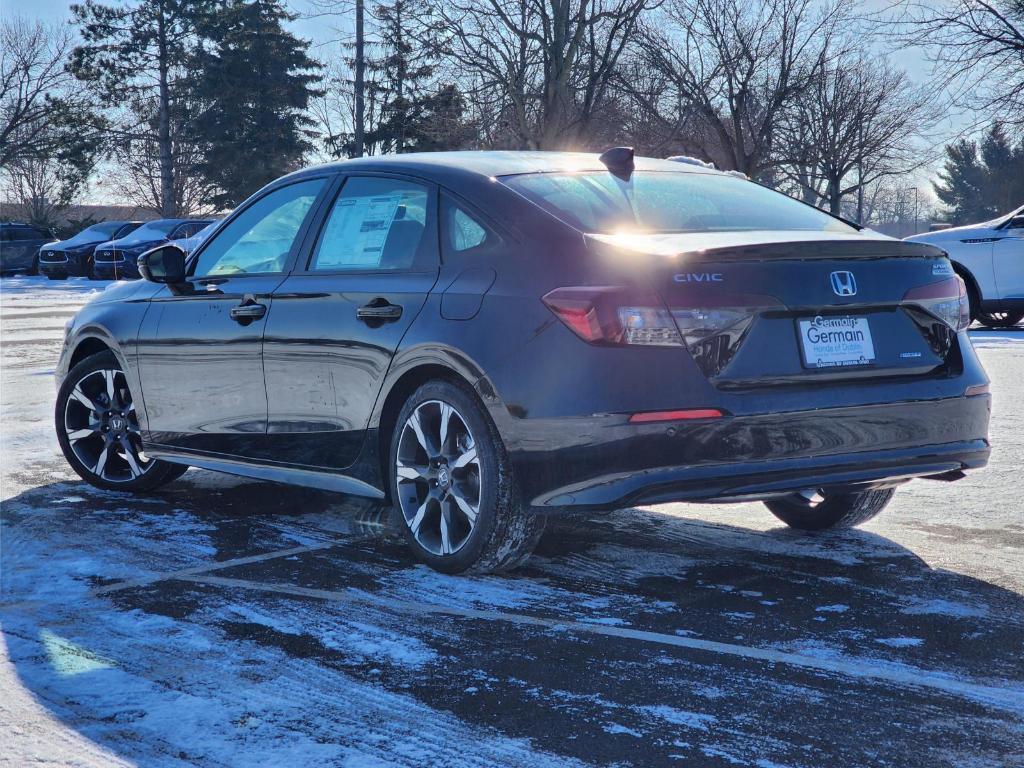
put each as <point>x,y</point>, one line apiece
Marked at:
<point>990,258</point>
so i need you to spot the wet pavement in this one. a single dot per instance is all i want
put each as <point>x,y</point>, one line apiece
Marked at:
<point>229,622</point>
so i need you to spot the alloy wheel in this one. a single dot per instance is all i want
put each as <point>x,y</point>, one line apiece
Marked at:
<point>438,477</point>
<point>102,427</point>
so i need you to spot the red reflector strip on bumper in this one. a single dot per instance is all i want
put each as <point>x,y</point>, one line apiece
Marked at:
<point>977,389</point>
<point>692,413</point>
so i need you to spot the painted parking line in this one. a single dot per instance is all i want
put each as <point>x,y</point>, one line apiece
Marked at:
<point>1009,698</point>
<point>153,578</point>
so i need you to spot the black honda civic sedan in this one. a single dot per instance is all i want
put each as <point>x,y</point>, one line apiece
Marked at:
<point>486,339</point>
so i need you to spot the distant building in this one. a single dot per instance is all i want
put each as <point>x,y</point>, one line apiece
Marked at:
<point>95,213</point>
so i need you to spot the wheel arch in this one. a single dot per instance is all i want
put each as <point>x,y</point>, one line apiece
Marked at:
<point>92,339</point>
<point>399,391</point>
<point>88,346</point>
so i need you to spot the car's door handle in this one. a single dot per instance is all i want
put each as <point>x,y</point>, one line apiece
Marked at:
<point>248,311</point>
<point>380,310</point>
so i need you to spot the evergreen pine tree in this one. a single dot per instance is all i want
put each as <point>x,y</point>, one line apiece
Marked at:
<point>410,111</point>
<point>257,80</point>
<point>980,183</point>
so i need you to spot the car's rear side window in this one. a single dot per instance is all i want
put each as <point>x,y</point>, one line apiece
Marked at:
<point>665,201</point>
<point>463,231</point>
<point>375,223</point>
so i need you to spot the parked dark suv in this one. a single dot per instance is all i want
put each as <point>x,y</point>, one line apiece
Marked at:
<point>74,256</point>
<point>486,339</point>
<point>118,257</point>
<point>19,246</point>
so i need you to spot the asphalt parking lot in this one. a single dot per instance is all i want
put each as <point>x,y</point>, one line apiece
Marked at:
<point>229,622</point>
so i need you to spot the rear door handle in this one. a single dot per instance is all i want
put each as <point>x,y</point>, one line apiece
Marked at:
<point>248,311</point>
<point>380,310</point>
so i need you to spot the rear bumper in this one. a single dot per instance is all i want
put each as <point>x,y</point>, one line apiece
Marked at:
<point>607,463</point>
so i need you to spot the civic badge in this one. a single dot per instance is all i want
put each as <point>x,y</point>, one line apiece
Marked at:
<point>843,284</point>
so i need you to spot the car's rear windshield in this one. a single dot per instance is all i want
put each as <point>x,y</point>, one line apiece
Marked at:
<point>663,201</point>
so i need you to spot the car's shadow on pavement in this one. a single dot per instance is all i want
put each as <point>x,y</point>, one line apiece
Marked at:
<point>633,637</point>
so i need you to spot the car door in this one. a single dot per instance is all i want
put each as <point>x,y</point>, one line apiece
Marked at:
<point>200,345</point>
<point>21,247</point>
<point>337,320</point>
<point>1008,259</point>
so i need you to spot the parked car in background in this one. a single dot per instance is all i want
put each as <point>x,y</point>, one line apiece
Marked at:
<point>19,246</point>
<point>117,258</point>
<point>990,258</point>
<point>74,256</point>
<point>189,244</point>
<point>484,339</point>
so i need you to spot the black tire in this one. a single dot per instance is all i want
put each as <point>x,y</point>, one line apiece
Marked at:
<point>504,533</point>
<point>34,269</point>
<point>998,319</point>
<point>75,418</point>
<point>838,510</point>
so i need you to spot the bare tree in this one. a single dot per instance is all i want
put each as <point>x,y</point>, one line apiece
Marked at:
<point>858,121</point>
<point>32,76</point>
<point>329,108</point>
<point>135,56</point>
<point>540,71</point>
<point>977,47</point>
<point>38,188</point>
<point>139,173</point>
<point>730,67</point>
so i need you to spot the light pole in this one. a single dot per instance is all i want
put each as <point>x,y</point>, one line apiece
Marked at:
<point>915,210</point>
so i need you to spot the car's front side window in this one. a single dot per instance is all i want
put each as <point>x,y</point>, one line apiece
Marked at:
<point>260,239</point>
<point>375,223</point>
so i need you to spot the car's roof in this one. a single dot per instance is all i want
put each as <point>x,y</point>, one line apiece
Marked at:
<point>494,163</point>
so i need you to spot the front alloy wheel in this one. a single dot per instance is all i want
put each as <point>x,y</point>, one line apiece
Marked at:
<point>454,486</point>
<point>98,429</point>
<point>101,427</point>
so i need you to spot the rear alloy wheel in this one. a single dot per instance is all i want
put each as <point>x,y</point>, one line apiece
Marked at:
<point>816,510</point>
<point>98,429</point>
<point>998,319</point>
<point>452,482</point>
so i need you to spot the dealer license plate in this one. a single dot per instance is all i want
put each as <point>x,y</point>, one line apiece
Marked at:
<point>836,342</point>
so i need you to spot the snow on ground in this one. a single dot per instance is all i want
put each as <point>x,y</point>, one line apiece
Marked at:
<point>232,622</point>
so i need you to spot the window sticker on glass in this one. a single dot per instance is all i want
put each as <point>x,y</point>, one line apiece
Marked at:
<point>358,229</point>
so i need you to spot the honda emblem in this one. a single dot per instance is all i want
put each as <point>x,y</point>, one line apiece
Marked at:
<point>843,284</point>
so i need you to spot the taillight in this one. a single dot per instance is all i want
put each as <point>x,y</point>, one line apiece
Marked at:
<point>615,315</point>
<point>947,300</point>
<point>618,315</point>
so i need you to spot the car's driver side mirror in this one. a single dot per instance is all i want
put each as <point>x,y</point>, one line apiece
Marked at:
<point>165,264</point>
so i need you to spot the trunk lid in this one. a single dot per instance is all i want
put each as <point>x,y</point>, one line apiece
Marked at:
<point>758,308</point>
